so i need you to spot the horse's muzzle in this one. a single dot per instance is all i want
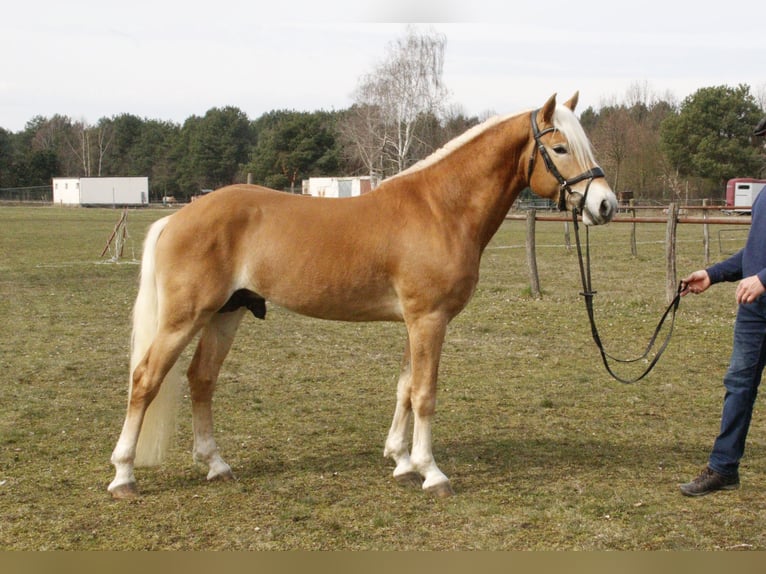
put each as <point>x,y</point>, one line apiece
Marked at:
<point>597,212</point>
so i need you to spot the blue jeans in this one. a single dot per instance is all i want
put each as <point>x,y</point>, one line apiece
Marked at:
<point>741,381</point>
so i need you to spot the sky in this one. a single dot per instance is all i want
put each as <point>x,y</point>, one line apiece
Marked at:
<point>171,59</point>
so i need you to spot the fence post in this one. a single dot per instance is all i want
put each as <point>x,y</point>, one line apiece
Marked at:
<point>567,238</point>
<point>706,233</point>
<point>670,251</point>
<point>534,279</point>
<point>633,249</point>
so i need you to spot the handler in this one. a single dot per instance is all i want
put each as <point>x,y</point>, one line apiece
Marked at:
<point>748,356</point>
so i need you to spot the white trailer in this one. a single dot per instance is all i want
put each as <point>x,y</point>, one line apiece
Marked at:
<point>95,191</point>
<point>114,191</point>
<point>746,192</point>
<point>337,186</point>
<point>742,191</point>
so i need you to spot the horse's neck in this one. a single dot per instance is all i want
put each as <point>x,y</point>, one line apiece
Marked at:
<point>477,183</point>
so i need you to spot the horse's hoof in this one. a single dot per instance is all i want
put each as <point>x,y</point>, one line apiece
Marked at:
<point>410,479</point>
<point>124,491</point>
<point>224,476</point>
<point>440,490</point>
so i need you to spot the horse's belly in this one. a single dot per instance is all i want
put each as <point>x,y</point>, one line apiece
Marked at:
<point>351,306</point>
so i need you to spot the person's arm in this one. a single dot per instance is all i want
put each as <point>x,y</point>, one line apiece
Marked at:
<point>728,270</point>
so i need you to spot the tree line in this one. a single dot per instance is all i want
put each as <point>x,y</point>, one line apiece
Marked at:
<point>279,149</point>
<point>652,147</point>
<point>661,150</point>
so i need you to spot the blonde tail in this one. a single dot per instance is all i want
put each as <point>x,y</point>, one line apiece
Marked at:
<point>160,418</point>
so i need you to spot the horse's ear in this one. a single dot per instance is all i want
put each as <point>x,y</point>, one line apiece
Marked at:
<point>571,103</point>
<point>547,110</point>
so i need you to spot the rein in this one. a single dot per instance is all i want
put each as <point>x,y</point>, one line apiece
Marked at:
<point>588,294</point>
<point>565,189</point>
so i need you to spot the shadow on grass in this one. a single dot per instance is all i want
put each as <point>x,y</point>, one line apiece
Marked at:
<point>482,461</point>
<point>569,453</point>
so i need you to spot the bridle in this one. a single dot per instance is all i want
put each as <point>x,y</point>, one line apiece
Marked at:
<point>565,189</point>
<point>565,185</point>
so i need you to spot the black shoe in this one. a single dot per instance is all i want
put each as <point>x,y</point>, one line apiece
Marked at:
<point>709,481</point>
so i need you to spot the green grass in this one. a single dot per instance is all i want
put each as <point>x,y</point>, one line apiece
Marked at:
<point>544,450</point>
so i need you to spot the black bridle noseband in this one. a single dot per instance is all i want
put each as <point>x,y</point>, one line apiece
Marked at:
<point>565,188</point>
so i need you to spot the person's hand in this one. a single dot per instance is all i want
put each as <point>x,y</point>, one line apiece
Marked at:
<point>749,289</point>
<point>696,283</point>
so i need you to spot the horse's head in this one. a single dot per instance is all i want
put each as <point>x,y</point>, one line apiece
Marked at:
<point>568,169</point>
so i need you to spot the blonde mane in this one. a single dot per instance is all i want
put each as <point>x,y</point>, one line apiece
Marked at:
<point>564,120</point>
<point>452,145</point>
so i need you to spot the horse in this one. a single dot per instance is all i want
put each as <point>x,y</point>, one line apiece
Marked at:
<point>408,251</point>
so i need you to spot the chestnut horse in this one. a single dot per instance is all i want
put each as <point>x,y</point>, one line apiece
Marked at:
<point>408,251</point>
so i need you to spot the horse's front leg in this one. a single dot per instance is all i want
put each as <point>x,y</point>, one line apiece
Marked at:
<point>397,445</point>
<point>426,337</point>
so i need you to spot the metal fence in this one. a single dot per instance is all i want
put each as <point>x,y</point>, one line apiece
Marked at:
<point>36,194</point>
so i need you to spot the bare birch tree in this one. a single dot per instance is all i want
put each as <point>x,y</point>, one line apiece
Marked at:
<point>364,136</point>
<point>86,141</point>
<point>390,102</point>
<point>105,133</point>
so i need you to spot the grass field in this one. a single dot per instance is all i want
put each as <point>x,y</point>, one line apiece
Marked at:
<point>544,450</point>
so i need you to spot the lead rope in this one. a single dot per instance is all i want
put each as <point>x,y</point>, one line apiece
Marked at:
<point>588,294</point>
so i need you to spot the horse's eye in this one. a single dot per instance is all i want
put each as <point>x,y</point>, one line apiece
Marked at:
<point>560,149</point>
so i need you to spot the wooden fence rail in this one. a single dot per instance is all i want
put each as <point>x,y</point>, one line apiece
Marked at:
<point>673,215</point>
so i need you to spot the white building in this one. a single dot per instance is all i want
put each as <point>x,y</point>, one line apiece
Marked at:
<point>66,190</point>
<point>338,186</point>
<point>133,191</point>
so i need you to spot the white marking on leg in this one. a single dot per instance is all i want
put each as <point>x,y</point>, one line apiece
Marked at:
<point>396,443</point>
<point>422,455</point>
<point>397,447</point>
<point>205,447</point>
<point>427,337</point>
<point>124,452</point>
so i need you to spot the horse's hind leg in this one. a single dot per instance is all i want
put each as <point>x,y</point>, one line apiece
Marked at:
<point>214,344</point>
<point>147,378</point>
